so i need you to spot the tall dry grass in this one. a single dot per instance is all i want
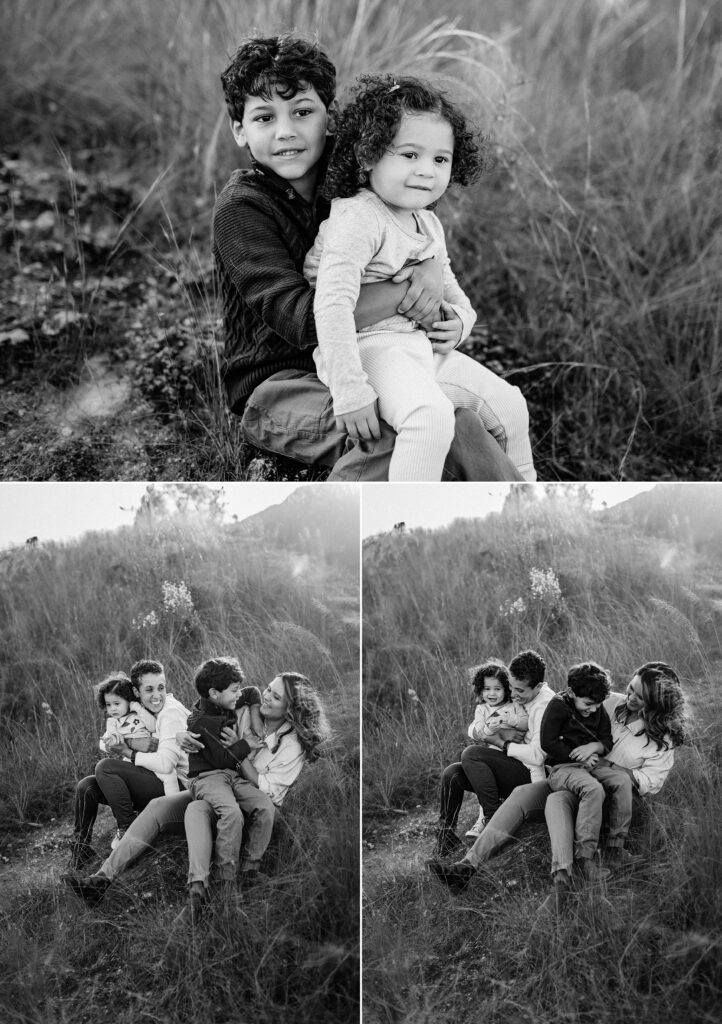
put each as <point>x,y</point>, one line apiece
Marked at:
<point>69,613</point>
<point>590,252</point>
<point>642,946</point>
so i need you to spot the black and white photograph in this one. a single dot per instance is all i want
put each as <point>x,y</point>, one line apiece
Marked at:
<point>179,779</point>
<point>360,504</point>
<point>541,758</point>
<point>517,276</point>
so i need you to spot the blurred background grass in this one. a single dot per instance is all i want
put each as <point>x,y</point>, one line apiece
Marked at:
<point>591,250</point>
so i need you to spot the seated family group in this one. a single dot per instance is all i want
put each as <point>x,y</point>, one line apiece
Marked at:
<point>582,759</point>
<point>217,772</point>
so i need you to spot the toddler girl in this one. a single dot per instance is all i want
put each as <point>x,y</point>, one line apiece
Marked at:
<point>494,710</point>
<point>127,719</point>
<point>398,146</point>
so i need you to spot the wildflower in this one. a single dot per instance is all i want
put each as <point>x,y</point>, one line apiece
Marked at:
<point>177,598</point>
<point>512,608</point>
<point>544,585</point>
<point>147,622</point>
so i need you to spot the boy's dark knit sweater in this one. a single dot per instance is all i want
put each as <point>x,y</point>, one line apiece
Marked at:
<point>563,729</point>
<point>209,719</point>
<point>262,230</point>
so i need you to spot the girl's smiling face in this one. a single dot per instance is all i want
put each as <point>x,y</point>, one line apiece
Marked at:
<point>415,170</point>
<point>151,691</point>
<point>493,692</point>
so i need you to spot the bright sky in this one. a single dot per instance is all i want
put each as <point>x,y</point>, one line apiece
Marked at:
<point>434,505</point>
<point>55,511</point>
<point>61,511</point>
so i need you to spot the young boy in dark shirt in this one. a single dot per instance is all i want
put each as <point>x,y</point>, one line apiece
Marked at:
<point>213,772</point>
<point>278,93</point>
<point>575,732</point>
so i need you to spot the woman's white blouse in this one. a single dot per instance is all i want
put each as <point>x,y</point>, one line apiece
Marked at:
<point>631,749</point>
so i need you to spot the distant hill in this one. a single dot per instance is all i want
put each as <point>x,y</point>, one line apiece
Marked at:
<point>681,511</point>
<point>316,519</point>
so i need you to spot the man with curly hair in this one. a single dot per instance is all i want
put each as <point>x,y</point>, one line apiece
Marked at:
<point>279,93</point>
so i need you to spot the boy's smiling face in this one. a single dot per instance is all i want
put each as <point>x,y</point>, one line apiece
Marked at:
<point>286,135</point>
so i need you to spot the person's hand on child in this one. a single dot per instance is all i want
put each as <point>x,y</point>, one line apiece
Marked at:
<point>143,744</point>
<point>229,735</point>
<point>189,741</point>
<point>445,334</point>
<point>117,748</point>
<point>425,291</point>
<point>584,752</point>
<point>363,424</point>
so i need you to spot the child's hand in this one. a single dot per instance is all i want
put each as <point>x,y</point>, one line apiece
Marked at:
<point>362,424</point>
<point>591,762</point>
<point>117,749</point>
<point>229,735</point>
<point>425,291</point>
<point>254,742</point>
<point>143,744</point>
<point>445,334</point>
<point>583,752</point>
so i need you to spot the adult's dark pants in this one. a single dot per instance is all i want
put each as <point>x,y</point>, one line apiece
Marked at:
<point>291,414</point>
<point>486,771</point>
<point>126,788</point>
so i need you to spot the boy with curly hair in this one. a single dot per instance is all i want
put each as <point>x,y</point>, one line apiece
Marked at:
<point>279,92</point>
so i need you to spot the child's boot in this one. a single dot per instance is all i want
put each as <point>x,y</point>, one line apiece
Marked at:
<point>191,913</point>
<point>556,899</point>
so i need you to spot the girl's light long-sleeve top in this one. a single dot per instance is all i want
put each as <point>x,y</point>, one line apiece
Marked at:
<point>278,762</point>
<point>138,722</point>
<point>362,242</point>
<point>631,749</point>
<point>530,752</point>
<point>509,715</point>
<point>168,758</point>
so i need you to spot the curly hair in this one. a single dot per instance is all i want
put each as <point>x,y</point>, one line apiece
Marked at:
<point>368,124</point>
<point>529,667</point>
<point>664,713</point>
<point>286,64</point>
<point>116,682</point>
<point>306,713</point>
<point>218,673</point>
<point>589,680</point>
<point>495,668</point>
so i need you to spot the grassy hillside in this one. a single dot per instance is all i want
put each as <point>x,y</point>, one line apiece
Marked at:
<point>69,613</point>
<point>590,250</point>
<point>544,573</point>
